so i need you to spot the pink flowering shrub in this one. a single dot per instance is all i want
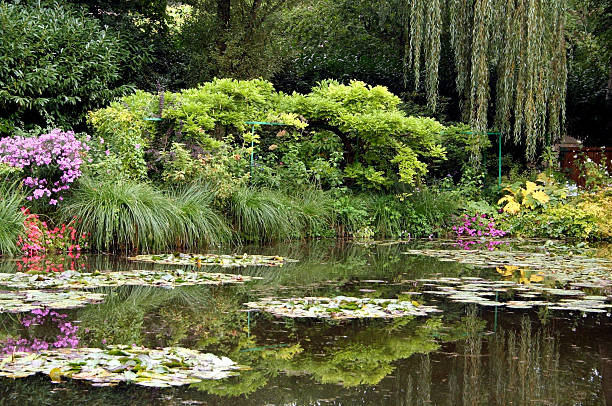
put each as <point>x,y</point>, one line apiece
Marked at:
<point>40,238</point>
<point>478,231</point>
<point>50,162</point>
<point>66,336</point>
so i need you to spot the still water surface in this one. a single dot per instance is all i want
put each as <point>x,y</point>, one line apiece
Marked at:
<point>466,355</point>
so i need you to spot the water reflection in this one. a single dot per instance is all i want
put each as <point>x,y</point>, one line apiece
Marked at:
<point>465,357</point>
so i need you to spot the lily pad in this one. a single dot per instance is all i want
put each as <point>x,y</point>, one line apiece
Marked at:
<point>214,260</point>
<point>172,366</point>
<point>78,280</point>
<point>28,300</point>
<point>341,307</point>
<point>564,268</point>
<point>481,292</point>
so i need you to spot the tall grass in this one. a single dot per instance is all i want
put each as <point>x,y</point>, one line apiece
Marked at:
<point>386,213</point>
<point>121,215</point>
<point>195,223</point>
<point>11,220</point>
<point>434,209</point>
<point>263,215</point>
<point>313,210</point>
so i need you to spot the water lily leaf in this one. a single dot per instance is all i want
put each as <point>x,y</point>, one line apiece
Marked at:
<point>28,300</point>
<point>116,364</point>
<point>78,280</point>
<point>340,307</point>
<point>199,260</point>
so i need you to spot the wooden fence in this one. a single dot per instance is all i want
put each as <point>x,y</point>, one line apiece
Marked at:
<point>571,157</point>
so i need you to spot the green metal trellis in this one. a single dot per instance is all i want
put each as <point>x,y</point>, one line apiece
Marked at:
<point>253,124</point>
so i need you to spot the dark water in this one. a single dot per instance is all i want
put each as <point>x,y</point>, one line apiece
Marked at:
<point>467,355</point>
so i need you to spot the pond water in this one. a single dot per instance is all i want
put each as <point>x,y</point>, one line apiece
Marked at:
<point>468,354</point>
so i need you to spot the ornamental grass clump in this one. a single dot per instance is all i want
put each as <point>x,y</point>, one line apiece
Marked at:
<point>50,162</point>
<point>11,221</point>
<point>123,215</point>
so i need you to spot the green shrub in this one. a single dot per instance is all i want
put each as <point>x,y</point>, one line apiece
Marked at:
<point>386,214</point>
<point>432,209</point>
<point>56,64</point>
<point>351,215</point>
<point>557,221</point>
<point>313,210</point>
<point>11,220</point>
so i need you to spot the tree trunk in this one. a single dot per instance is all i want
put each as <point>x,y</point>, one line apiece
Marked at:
<point>609,99</point>
<point>223,15</point>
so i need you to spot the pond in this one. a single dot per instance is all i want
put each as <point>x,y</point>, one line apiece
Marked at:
<point>483,347</point>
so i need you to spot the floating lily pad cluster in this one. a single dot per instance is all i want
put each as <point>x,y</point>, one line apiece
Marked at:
<point>515,295</point>
<point>567,269</point>
<point>28,300</point>
<point>341,307</point>
<point>226,261</point>
<point>78,280</point>
<point>541,261</point>
<point>166,367</point>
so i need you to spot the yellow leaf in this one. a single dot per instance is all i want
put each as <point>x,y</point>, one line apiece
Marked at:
<point>536,278</point>
<point>415,303</point>
<point>541,197</point>
<point>512,207</point>
<point>531,187</point>
<point>56,375</point>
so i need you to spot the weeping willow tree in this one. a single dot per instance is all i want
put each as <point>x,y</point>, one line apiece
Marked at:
<point>512,51</point>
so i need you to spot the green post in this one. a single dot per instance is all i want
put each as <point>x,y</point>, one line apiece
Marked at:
<point>252,147</point>
<point>499,142</point>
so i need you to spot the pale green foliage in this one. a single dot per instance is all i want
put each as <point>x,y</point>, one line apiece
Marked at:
<point>373,131</point>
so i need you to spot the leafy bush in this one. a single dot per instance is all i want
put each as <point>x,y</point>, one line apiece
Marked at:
<point>373,131</point>
<point>555,221</point>
<point>533,195</point>
<point>599,207</point>
<point>356,131</point>
<point>56,64</point>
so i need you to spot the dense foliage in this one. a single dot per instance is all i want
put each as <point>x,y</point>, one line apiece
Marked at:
<point>56,63</point>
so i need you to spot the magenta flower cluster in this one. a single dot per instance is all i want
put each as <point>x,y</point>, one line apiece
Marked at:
<point>58,153</point>
<point>477,231</point>
<point>67,337</point>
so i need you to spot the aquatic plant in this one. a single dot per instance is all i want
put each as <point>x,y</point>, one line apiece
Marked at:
<point>29,300</point>
<point>341,307</point>
<point>161,368</point>
<point>198,260</point>
<point>78,280</point>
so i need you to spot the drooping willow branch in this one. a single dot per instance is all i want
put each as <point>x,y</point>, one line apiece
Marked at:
<point>519,43</point>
